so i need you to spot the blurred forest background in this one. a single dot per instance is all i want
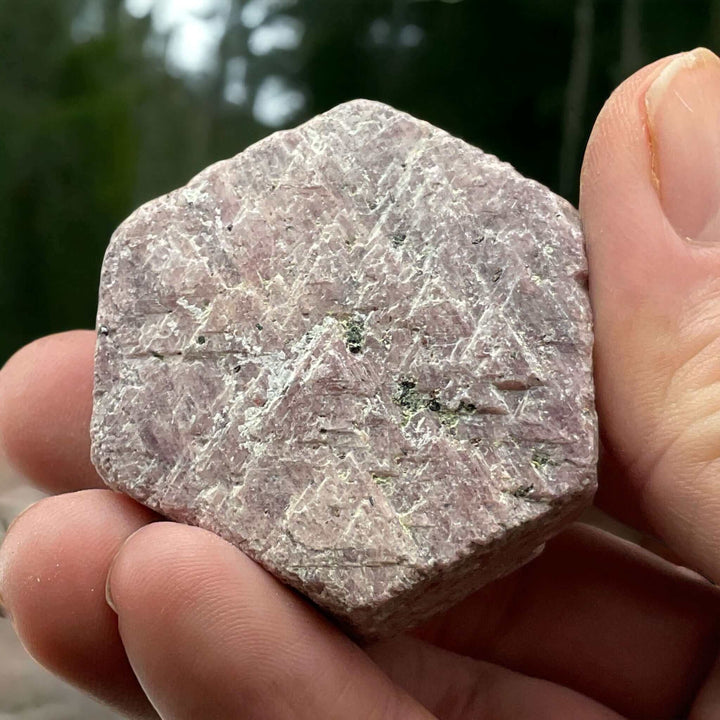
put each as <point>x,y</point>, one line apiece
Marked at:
<point>107,103</point>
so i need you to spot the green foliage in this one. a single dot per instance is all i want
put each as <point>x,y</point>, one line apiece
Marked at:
<point>92,121</point>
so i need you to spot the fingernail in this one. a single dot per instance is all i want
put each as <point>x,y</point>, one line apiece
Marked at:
<point>16,519</point>
<point>4,611</point>
<point>108,581</point>
<point>108,596</point>
<point>683,115</point>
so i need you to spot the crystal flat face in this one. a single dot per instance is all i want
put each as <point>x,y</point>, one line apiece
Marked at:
<point>360,351</point>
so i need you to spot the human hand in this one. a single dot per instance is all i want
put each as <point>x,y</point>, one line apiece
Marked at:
<point>595,628</point>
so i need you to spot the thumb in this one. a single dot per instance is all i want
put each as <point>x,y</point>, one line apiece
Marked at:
<point>650,195</point>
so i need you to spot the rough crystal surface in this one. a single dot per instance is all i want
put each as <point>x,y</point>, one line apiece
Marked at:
<point>361,352</point>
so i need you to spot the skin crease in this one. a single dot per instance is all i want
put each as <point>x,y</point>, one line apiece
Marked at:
<point>594,628</point>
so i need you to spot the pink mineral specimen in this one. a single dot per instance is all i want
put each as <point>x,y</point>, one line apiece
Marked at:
<point>360,351</point>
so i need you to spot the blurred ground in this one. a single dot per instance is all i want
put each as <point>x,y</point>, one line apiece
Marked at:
<point>27,691</point>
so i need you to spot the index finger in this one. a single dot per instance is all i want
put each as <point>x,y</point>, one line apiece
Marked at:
<point>45,408</point>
